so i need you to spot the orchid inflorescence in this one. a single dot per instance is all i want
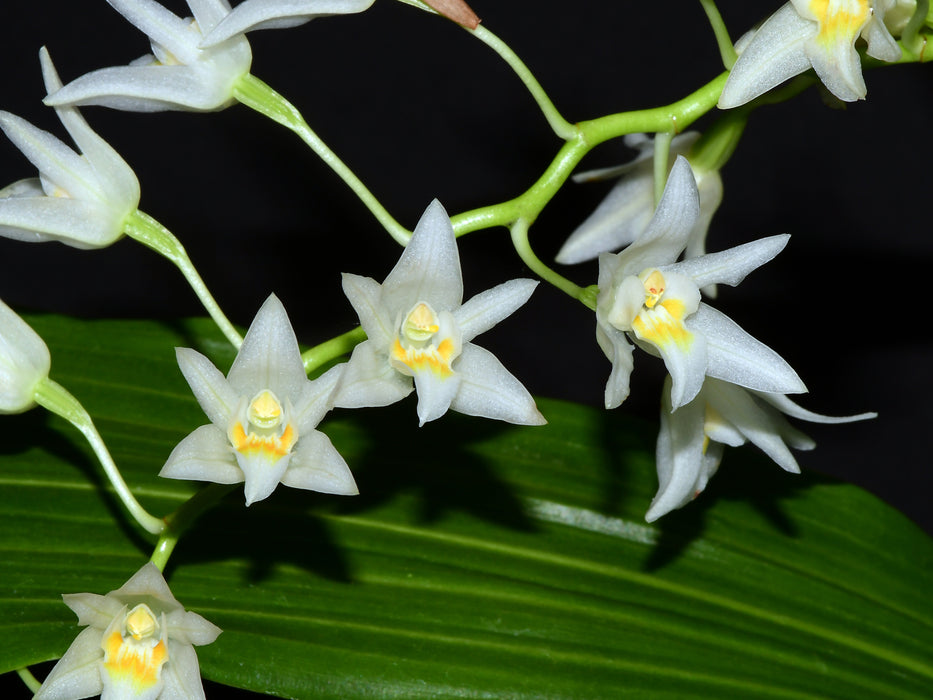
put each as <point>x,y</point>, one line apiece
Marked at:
<point>655,278</point>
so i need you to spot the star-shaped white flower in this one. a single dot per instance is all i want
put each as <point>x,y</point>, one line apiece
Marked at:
<point>179,74</point>
<point>812,33</point>
<point>138,645</point>
<point>278,14</point>
<point>645,293</point>
<point>24,362</point>
<point>263,417</point>
<point>418,330</point>
<point>81,199</point>
<point>625,212</point>
<point>691,440</point>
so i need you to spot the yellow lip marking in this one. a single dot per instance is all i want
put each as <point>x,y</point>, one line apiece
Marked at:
<point>435,359</point>
<point>840,20</point>
<point>264,416</point>
<point>136,657</point>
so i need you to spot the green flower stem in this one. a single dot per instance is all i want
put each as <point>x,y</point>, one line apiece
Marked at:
<point>30,680</point>
<point>255,94</point>
<point>181,520</point>
<point>560,126</point>
<point>662,151</point>
<point>332,349</point>
<point>726,47</point>
<point>151,233</point>
<point>58,400</point>
<point>519,232</point>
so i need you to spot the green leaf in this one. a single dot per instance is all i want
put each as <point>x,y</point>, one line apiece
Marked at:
<point>480,560</point>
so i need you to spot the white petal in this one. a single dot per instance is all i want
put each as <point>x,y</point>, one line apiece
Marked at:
<point>435,393</point>
<point>93,610</point>
<point>74,222</point>
<point>489,390</point>
<point>77,673</point>
<point>369,380</point>
<point>616,347</point>
<point>208,13</point>
<point>269,357</point>
<point>881,44</point>
<point>679,457</point>
<point>190,628</point>
<point>667,233</point>
<point>839,67</point>
<point>214,393</point>
<point>365,295</point>
<point>738,407</point>
<point>260,475</point>
<point>144,89</point>
<point>775,53</point>
<point>429,268</point>
<point>317,466</point>
<point>269,14</point>
<point>181,675</point>
<point>204,455</point>
<point>709,187</point>
<point>616,222</point>
<point>24,362</point>
<point>148,581</point>
<point>736,357</point>
<point>316,399</point>
<point>55,160</point>
<point>785,405</point>
<point>732,265</point>
<point>687,367</point>
<point>488,308</point>
<point>116,179</point>
<point>160,25</point>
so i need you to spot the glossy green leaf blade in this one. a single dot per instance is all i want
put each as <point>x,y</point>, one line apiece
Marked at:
<point>480,560</point>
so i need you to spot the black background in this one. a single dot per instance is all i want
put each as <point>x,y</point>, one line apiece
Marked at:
<point>420,110</point>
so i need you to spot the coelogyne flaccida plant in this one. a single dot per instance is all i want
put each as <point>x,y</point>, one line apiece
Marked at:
<point>478,558</point>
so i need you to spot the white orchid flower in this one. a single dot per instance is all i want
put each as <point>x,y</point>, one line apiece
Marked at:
<point>81,199</point>
<point>691,440</point>
<point>24,362</point>
<point>625,212</point>
<point>644,292</point>
<point>138,645</point>
<point>179,74</point>
<point>419,331</point>
<point>277,14</point>
<point>812,33</point>
<point>263,417</point>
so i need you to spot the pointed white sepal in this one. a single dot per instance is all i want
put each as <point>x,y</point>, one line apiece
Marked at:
<point>251,15</point>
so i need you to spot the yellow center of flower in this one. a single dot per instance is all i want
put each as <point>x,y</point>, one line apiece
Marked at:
<point>840,20</point>
<point>134,652</point>
<point>417,347</point>
<point>267,436</point>
<point>661,321</point>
